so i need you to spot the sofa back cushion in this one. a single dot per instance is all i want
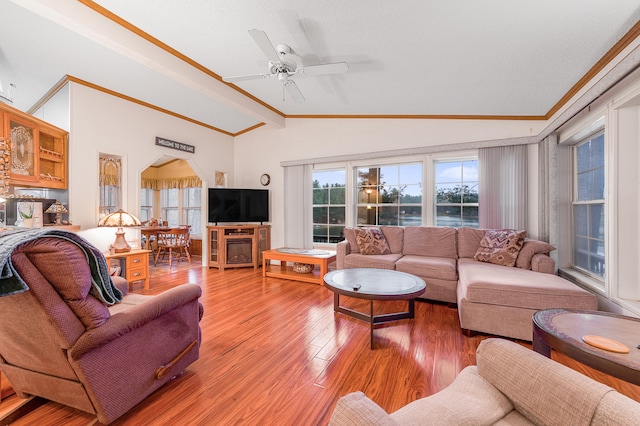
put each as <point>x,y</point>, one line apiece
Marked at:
<point>395,237</point>
<point>430,241</point>
<point>544,391</point>
<point>350,236</point>
<point>64,265</point>
<point>469,241</point>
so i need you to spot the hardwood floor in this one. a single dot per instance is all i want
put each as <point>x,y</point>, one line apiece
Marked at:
<point>274,353</point>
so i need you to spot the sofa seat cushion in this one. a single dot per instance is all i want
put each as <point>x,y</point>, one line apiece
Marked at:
<point>469,400</point>
<point>381,261</point>
<point>491,284</point>
<point>429,267</point>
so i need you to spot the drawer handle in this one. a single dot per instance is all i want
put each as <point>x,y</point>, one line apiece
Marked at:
<point>136,260</point>
<point>137,274</point>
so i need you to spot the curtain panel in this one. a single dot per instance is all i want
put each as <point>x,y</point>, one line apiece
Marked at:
<point>502,187</point>
<point>298,206</point>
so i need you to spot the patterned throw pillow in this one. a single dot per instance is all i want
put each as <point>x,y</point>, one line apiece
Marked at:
<point>371,241</point>
<point>500,246</point>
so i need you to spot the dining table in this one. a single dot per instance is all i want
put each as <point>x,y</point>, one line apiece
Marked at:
<point>152,231</point>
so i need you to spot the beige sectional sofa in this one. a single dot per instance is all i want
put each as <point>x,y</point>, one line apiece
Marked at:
<point>510,385</point>
<point>491,298</point>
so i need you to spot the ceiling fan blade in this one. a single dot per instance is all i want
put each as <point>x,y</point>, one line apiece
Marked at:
<point>265,45</point>
<point>294,92</point>
<point>334,68</point>
<point>237,78</point>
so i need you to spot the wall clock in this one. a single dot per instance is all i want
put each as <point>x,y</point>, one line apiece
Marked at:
<point>265,179</point>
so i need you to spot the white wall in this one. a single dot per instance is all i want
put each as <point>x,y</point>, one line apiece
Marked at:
<point>104,123</point>
<point>262,150</point>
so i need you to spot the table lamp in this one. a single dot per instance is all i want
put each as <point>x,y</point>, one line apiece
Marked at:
<point>57,208</point>
<point>120,219</point>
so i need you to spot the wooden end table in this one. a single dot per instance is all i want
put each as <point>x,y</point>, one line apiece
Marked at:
<point>285,255</point>
<point>562,330</point>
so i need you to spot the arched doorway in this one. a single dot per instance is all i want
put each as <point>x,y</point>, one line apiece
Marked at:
<point>172,191</point>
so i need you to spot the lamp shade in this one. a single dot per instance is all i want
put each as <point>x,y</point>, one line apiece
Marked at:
<point>120,219</point>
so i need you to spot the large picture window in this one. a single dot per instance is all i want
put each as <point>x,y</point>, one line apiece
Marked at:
<point>390,195</point>
<point>329,204</point>
<point>456,193</point>
<point>588,206</point>
<point>169,202</point>
<point>191,208</point>
<point>146,204</point>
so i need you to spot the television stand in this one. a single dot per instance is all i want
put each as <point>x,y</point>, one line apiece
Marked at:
<point>237,246</point>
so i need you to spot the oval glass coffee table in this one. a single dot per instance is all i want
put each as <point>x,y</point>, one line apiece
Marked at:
<point>374,284</point>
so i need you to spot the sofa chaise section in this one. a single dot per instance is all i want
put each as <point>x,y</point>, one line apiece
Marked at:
<point>488,294</point>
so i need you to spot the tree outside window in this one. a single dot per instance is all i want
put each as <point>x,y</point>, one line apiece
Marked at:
<point>329,206</point>
<point>390,195</point>
<point>456,193</point>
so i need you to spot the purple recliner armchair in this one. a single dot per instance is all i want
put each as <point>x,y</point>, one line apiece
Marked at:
<point>61,342</point>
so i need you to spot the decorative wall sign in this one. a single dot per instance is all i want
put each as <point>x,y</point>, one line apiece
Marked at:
<point>175,145</point>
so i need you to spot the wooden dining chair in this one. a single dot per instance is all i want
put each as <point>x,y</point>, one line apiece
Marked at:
<point>175,241</point>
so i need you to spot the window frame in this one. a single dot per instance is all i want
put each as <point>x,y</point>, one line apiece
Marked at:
<point>574,201</point>
<point>329,206</point>
<point>377,188</point>
<point>462,204</point>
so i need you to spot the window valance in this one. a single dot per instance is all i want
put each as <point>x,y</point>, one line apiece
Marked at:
<point>171,183</point>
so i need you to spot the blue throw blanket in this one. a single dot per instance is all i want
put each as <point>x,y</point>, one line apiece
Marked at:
<point>12,283</point>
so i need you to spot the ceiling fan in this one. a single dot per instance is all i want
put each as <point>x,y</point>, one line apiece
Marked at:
<point>284,67</point>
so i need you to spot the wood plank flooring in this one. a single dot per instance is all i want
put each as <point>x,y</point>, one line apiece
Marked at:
<point>274,353</point>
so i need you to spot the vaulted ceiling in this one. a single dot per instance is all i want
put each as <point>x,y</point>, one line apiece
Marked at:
<point>494,58</point>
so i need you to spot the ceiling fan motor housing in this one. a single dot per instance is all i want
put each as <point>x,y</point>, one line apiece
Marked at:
<point>288,67</point>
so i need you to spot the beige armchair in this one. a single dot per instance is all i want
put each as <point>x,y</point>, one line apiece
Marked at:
<point>511,385</point>
<point>59,342</point>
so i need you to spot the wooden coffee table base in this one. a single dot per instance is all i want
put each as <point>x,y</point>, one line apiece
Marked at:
<point>286,271</point>
<point>370,317</point>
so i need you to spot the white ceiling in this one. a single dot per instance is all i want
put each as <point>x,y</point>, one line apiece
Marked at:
<point>412,57</point>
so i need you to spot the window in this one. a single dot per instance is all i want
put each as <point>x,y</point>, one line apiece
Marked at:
<point>389,195</point>
<point>329,205</point>
<point>456,193</point>
<point>110,177</point>
<point>169,203</point>
<point>146,204</point>
<point>588,206</point>
<point>191,208</point>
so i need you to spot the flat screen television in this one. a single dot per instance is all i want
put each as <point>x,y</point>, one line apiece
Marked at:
<point>238,205</point>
